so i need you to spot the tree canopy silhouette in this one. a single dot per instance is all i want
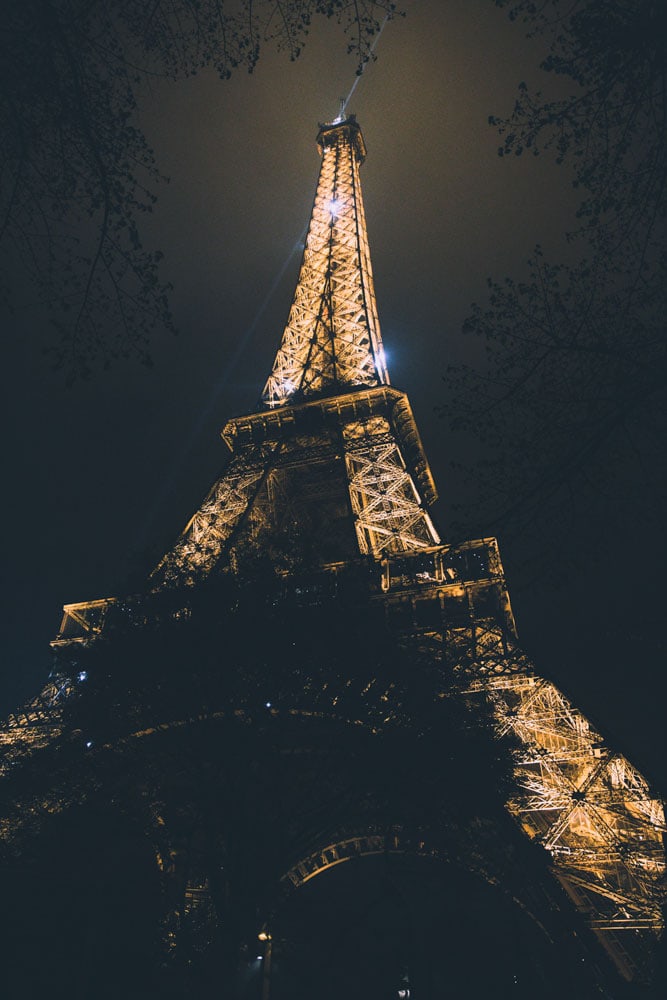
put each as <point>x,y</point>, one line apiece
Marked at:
<point>571,392</point>
<point>76,171</point>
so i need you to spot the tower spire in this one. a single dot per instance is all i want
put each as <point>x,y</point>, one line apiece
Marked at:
<point>332,338</point>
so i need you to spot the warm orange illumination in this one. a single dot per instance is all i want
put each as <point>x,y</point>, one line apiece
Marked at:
<point>334,444</point>
<point>332,337</point>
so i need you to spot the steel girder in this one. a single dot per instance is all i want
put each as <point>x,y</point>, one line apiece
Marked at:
<point>370,486</point>
<point>332,337</point>
<point>329,412</point>
<point>588,807</point>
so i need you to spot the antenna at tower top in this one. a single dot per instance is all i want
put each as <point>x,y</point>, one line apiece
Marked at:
<point>341,113</point>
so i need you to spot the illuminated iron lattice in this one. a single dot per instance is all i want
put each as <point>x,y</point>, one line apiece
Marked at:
<point>35,725</point>
<point>205,536</point>
<point>588,806</point>
<point>585,804</point>
<point>384,509</point>
<point>334,438</point>
<point>331,343</point>
<point>387,507</point>
<point>332,337</point>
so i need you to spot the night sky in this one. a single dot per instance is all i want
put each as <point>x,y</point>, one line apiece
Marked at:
<point>100,477</point>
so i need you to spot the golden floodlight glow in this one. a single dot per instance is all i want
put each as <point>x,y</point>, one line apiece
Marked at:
<point>588,806</point>
<point>334,457</point>
<point>332,337</point>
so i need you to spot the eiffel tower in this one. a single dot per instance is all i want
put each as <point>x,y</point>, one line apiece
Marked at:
<point>307,633</point>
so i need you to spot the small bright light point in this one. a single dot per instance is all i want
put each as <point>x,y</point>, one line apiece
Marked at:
<point>268,705</point>
<point>89,744</point>
<point>259,958</point>
<point>83,675</point>
<point>335,206</point>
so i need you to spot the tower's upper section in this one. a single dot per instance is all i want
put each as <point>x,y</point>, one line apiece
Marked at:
<point>332,338</point>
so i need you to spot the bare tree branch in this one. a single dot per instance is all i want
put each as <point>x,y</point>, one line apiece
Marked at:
<point>77,174</point>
